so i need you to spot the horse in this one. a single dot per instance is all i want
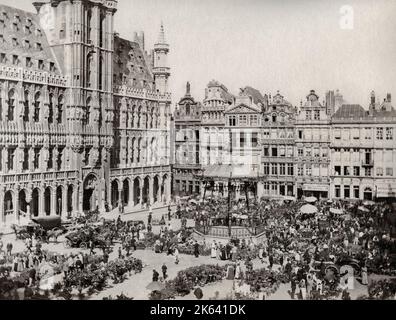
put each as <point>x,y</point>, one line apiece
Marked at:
<point>54,234</point>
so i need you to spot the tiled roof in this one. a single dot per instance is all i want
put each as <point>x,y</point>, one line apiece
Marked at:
<point>255,94</point>
<point>23,37</point>
<point>130,62</point>
<point>350,111</point>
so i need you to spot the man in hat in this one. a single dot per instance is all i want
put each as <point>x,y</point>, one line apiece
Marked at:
<point>155,275</point>
<point>164,271</point>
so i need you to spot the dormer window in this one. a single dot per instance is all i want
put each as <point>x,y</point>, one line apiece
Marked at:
<point>38,33</point>
<point>2,24</point>
<point>39,46</point>
<point>16,17</point>
<point>14,42</point>
<point>28,62</point>
<point>27,44</point>
<point>3,58</point>
<point>41,64</point>
<point>4,14</point>
<point>1,38</point>
<point>27,30</point>
<point>15,26</point>
<point>29,21</point>
<point>15,60</point>
<point>52,67</point>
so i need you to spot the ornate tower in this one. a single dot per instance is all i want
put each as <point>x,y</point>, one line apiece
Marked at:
<point>161,68</point>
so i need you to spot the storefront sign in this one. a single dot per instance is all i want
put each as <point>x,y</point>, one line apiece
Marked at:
<point>316,187</point>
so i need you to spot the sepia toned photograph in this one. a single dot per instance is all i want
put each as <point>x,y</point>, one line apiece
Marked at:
<point>196,150</point>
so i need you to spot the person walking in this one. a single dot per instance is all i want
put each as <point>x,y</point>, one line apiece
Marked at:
<point>196,249</point>
<point>176,255</point>
<point>9,248</point>
<point>155,275</point>
<point>164,271</point>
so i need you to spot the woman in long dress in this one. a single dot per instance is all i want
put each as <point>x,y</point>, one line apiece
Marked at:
<point>214,250</point>
<point>176,255</point>
<point>364,276</point>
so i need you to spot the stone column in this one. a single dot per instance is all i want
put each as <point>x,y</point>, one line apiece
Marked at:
<point>131,195</point>
<point>64,202</point>
<point>151,190</point>
<point>141,185</point>
<point>16,204</point>
<point>41,212</point>
<point>54,201</point>
<point>167,190</point>
<point>80,196</point>
<point>28,200</point>
<point>120,196</point>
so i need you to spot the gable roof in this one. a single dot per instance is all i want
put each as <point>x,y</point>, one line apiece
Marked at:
<point>130,61</point>
<point>243,108</point>
<point>348,111</point>
<point>29,34</point>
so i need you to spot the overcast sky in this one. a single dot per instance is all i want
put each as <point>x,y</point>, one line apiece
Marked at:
<point>291,46</point>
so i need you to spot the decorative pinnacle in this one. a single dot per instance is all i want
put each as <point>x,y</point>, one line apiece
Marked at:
<point>161,37</point>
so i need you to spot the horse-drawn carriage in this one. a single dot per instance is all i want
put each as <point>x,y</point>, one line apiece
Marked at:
<point>42,228</point>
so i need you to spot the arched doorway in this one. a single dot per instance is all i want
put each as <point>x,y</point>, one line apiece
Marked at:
<point>70,199</point>
<point>156,189</point>
<point>59,200</point>
<point>22,201</point>
<point>89,196</point>
<point>8,207</point>
<point>125,190</point>
<point>368,194</point>
<point>34,207</point>
<point>146,190</point>
<point>136,191</point>
<point>47,201</point>
<point>114,194</point>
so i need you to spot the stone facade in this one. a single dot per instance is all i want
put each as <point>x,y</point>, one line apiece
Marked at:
<point>327,150</point>
<point>84,115</point>
<point>187,164</point>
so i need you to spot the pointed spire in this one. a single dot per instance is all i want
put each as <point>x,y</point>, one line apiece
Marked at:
<point>161,37</point>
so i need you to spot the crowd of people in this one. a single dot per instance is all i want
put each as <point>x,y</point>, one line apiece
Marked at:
<point>312,250</point>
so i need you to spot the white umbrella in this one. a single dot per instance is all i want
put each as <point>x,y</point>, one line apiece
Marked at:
<point>311,199</point>
<point>363,209</point>
<point>368,203</point>
<point>308,209</point>
<point>289,198</point>
<point>243,217</point>
<point>336,211</point>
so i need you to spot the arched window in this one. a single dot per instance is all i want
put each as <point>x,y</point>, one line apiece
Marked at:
<point>60,109</point>
<point>89,70</point>
<point>36,115</point>
<point>87,118</point>
<point>51,109</point>
<point>89,29</point>
<point>100,112</point>
<point>101,30</point>
<point>26,107</point>
<point>101,79</point>
<point>11,105</point>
